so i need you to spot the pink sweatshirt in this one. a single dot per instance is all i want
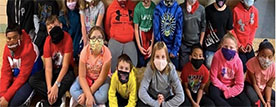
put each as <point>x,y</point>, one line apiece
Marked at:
<point>227,75</point>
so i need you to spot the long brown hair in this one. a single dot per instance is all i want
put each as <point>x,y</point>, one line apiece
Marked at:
<point>84,4</point>
<point>158,46</point>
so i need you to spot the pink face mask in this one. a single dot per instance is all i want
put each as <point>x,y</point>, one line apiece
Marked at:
<point>160,64</point>
<point>71,5</point>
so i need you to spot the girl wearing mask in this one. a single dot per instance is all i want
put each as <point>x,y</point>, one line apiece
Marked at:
<point>91,87</point>
<point>194,77</point>
<point>91,14</point>
<point>261,75</point>
<point>70,19</point>
<point>160,85</point>
<point>227,75</point>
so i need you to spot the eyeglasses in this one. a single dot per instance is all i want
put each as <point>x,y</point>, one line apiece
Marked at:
<point>94,38</point>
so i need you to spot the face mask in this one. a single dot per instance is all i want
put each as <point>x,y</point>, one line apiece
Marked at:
<point>123,76</point>
<point>192,1</point>
<point>265,63</point>
<point>189,8</point>
<point>88,1</point>
<point>197,63</point>
<point>248,3</point>
<point>220,3</point>
<point>228,53</point>
<point>96,45</point>
<point>56,34</point>
<point>122,3</point>
<point>168,3</point>
<point>160,64</point>
<point>14,45</point>
<point>71,5</point>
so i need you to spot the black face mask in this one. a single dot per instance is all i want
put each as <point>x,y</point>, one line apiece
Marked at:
<point>123,76</point>
<point>220,3</point>
<point>56,34</point>
<point>197,63</point>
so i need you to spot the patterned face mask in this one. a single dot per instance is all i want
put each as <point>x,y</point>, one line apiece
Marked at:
<point>264,62</point>
<point>96,45</point>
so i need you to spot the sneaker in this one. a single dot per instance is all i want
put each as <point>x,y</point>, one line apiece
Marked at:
<point>41,103</point>
<point>101,105</point>
<point>73,102</point>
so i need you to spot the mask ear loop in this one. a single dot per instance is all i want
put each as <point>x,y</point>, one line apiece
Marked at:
<point>18,42</point>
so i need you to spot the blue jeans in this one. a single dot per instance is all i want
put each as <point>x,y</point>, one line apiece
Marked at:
<point>209,58</point>
<point>21,95</point>
<point>100,95</point>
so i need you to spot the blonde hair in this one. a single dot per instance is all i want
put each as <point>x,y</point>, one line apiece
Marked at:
<point>84,4</point>
<point>159,46</point>
<point>229,36</point>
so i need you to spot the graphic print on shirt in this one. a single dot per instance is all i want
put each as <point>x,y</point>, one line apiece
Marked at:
<point>90,20</point>
<point>144,18</point>
<point>212,37</point>
<point>252,18</point>
<point>168,24</point>
<point>194,82</point>
<point>57,59</point>
<point>45,11</point>
<point>15,65</point>
<point>227,73</point>
<point>122,17</point>
<point>93,70</point>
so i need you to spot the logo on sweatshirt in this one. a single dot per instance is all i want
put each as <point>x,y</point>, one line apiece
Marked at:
<point>168,24</point>
<point>227,73</point>
<point>119,15</point>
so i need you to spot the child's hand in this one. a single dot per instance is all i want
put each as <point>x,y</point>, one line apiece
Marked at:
<point>242,49</point>
<point>149,51</point>
<point>142,50</point>
<point>194,104</point>
<point>160,98</point>
<point>3,102</point>
<point>171,55</point>
<point>90,101</point>
<point>81,99</point>
<point>248,48</point>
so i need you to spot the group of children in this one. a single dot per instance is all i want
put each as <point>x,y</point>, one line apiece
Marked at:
<point>201,43</point>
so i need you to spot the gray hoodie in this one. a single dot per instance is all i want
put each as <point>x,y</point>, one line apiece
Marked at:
<point>160,83</point>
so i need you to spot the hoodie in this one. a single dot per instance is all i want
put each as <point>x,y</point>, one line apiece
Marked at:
<point>23,59</point>
<point>227,75</point>
<point>168,25</point>
<point>21,12</point>
<point>119,21</point>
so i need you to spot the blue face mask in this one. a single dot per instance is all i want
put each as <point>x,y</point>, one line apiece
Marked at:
<point>228,53</point>
<point>249,3</point>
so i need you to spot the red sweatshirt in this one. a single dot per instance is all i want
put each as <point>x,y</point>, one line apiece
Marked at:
<point>119,21</point>
<point>245,24</point>
<point>24,57</point>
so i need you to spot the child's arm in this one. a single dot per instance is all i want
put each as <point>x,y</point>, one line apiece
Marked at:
<point>200,93</point>
<point>214,74</point>
<point>143,91</point>
<point>83,82</point>
<point>102,77</point>
<point>101,14</point>
<point>268,90</point>
<point>178,34</point>
<point>141,49</point>
<point>254,84</point>
<point>133,91</point>
<point>239,83</point>
<point>112,98</point>
<point>108,22</point>
<point>178,97</point>
<point>188,93</point>
<point>83,29</point>
<point>203,27</point>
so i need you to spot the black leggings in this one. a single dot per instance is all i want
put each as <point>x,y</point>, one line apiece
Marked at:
<point>217,95</point>
<point>38,82</point>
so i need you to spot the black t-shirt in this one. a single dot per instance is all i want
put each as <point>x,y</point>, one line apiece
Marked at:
<point>217,24</point>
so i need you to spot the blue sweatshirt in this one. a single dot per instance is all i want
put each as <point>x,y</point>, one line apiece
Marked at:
<point>167,25</point>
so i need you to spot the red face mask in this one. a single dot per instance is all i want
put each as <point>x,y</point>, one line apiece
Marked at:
<point>122,3</point>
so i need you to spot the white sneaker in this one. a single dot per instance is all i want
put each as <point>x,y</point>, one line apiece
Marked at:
<point>101,105</point>
<point>73,102</point>
<point>63,101</point>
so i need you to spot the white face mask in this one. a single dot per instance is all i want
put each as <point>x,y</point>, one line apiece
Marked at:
<point>265,63</point>
<point>160,64</point>
<point>14,45</point>
<point>189,8</point>
<point>71,5</point>
<point>249,3</point>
